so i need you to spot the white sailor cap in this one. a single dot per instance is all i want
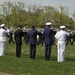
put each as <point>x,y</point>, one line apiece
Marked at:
<point>2,25</point>
<point>48,23</point>
<point>62,27</point>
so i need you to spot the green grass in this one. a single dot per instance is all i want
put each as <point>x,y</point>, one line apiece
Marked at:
<point>26,66</point>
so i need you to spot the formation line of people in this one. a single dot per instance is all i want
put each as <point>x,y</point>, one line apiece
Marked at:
<point>47,36</point>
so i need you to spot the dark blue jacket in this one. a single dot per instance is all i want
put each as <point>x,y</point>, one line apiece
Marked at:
<point>32,37</point>
<point>47,36</point>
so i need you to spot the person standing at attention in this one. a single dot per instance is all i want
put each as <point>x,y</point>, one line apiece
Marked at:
<point>18,40</point>
<point>48,40</point>
<point>3,32</point>
<point>32,40</point>
<point>61,43</point>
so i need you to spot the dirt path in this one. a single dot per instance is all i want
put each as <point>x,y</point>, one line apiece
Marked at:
<point>1,73</point>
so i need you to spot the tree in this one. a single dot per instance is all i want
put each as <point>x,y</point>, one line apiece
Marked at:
<point>64,15</point>
<point>5,11</point>
<point>18,13</point>
<point>49,12</point>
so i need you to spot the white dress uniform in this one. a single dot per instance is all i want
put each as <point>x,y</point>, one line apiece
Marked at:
<point>61,37</point>
<point>3,33</point>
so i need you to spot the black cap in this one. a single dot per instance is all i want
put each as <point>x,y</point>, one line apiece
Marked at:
<point>20,26</point>
<point>33,27</point>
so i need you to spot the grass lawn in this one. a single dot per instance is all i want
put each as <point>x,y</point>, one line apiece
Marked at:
<point>26,66</point>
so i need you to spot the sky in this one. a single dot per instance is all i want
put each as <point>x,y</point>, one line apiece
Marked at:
<point>70,4</point>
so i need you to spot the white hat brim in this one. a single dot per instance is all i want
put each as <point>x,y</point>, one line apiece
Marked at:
<point>2,25</point>
<point>62,27</point>
<point>48,23</point>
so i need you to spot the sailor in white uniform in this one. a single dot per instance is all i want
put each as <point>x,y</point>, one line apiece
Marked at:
<point>3,32</point>
<point>61,43</point>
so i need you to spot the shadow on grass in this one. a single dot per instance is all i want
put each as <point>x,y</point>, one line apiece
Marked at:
<point>42,58</point>
<point>55,59</point>
<point>70,59</point>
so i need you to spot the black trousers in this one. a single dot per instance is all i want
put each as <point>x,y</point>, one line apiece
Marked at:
<point>11,40</point>
<point>32,51</point>
<point>18,50</point>
<point>73,41</point>
<point>68,40</point>
<point>47,51</point>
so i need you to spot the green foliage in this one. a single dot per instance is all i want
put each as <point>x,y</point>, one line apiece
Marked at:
<point>13,14</point>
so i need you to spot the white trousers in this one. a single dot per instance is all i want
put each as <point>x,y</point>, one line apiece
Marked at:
<point>61,51</point>
<point>2,47</point>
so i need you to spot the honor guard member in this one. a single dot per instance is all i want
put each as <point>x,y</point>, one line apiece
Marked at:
<point>48,40</point>
<point>32,40</point>
<point>18,40</point>
<point>3,32</point>
<point>11,37</point>
<point>61,43</point>
<point>68,39</point>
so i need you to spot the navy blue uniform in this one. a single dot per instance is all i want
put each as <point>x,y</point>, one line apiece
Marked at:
<point>47,37</point>
<point>32,39</point>
<point>18,39</point>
